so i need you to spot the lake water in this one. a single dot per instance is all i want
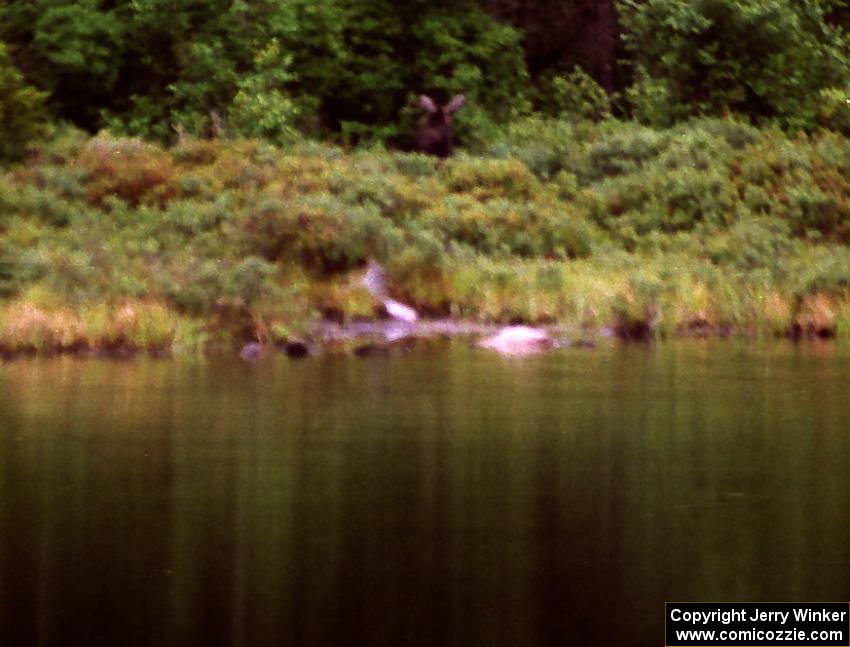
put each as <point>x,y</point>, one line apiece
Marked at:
<point>438,497</point>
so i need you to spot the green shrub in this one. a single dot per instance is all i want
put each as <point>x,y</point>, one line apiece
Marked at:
<point>815,212</point>
<point>194,285</point>
<point>736,133</point>
<point>23,109</point>
<point>575,96</point>
<point>262,106</point>
<point>491,178</point>
<point>250,279</point>
<point>833,109</point>
<point>65,144</point>
<point>653,102</point>
<point>396,197</point>
<point>622,151</point>
<point>35,202</point>
<point>752,243</point>
<point>545,146</point>
<point>692,195</point>
<point>503,228</point>
<point>318,231</point>
<point>18,268</point>
<point>124,168</point>
<point>821,269</point>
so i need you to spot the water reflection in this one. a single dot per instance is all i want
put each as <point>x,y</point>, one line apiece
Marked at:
<point>446,498</point>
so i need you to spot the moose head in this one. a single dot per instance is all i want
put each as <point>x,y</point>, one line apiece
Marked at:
<point>434,136</point>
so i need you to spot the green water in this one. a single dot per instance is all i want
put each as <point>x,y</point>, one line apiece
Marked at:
<point>446,497</point>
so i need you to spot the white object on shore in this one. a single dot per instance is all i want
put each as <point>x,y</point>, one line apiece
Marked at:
<point>400,311</point>
<point>374,282</point>
<point>518,340</point>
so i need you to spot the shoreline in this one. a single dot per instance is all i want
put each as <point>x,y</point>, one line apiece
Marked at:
<point>366,338</point>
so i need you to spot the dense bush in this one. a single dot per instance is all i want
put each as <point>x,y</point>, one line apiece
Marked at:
<point>545,146</point>
<point>22,109</point>
<point>318,231</point>
<point>711,226</point>
<point>572,96</point>
<point>768,59</point>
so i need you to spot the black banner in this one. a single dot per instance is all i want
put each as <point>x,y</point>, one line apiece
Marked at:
<point>763,624</point>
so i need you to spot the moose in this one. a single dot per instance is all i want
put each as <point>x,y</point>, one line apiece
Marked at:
<point>434,136</point>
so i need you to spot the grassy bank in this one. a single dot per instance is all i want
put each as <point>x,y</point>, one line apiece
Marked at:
<point>713,227</point>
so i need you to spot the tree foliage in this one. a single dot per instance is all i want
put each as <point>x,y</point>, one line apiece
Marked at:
<point>22,109</point>
<point>349,69</point>
<point>147,66</point>
<point>767,59</point>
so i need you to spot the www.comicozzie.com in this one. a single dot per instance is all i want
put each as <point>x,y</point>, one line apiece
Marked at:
<point>697,624</point>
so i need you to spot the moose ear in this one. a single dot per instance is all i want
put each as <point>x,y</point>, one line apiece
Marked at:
<point>427,104</point>
<point>455,104</point>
